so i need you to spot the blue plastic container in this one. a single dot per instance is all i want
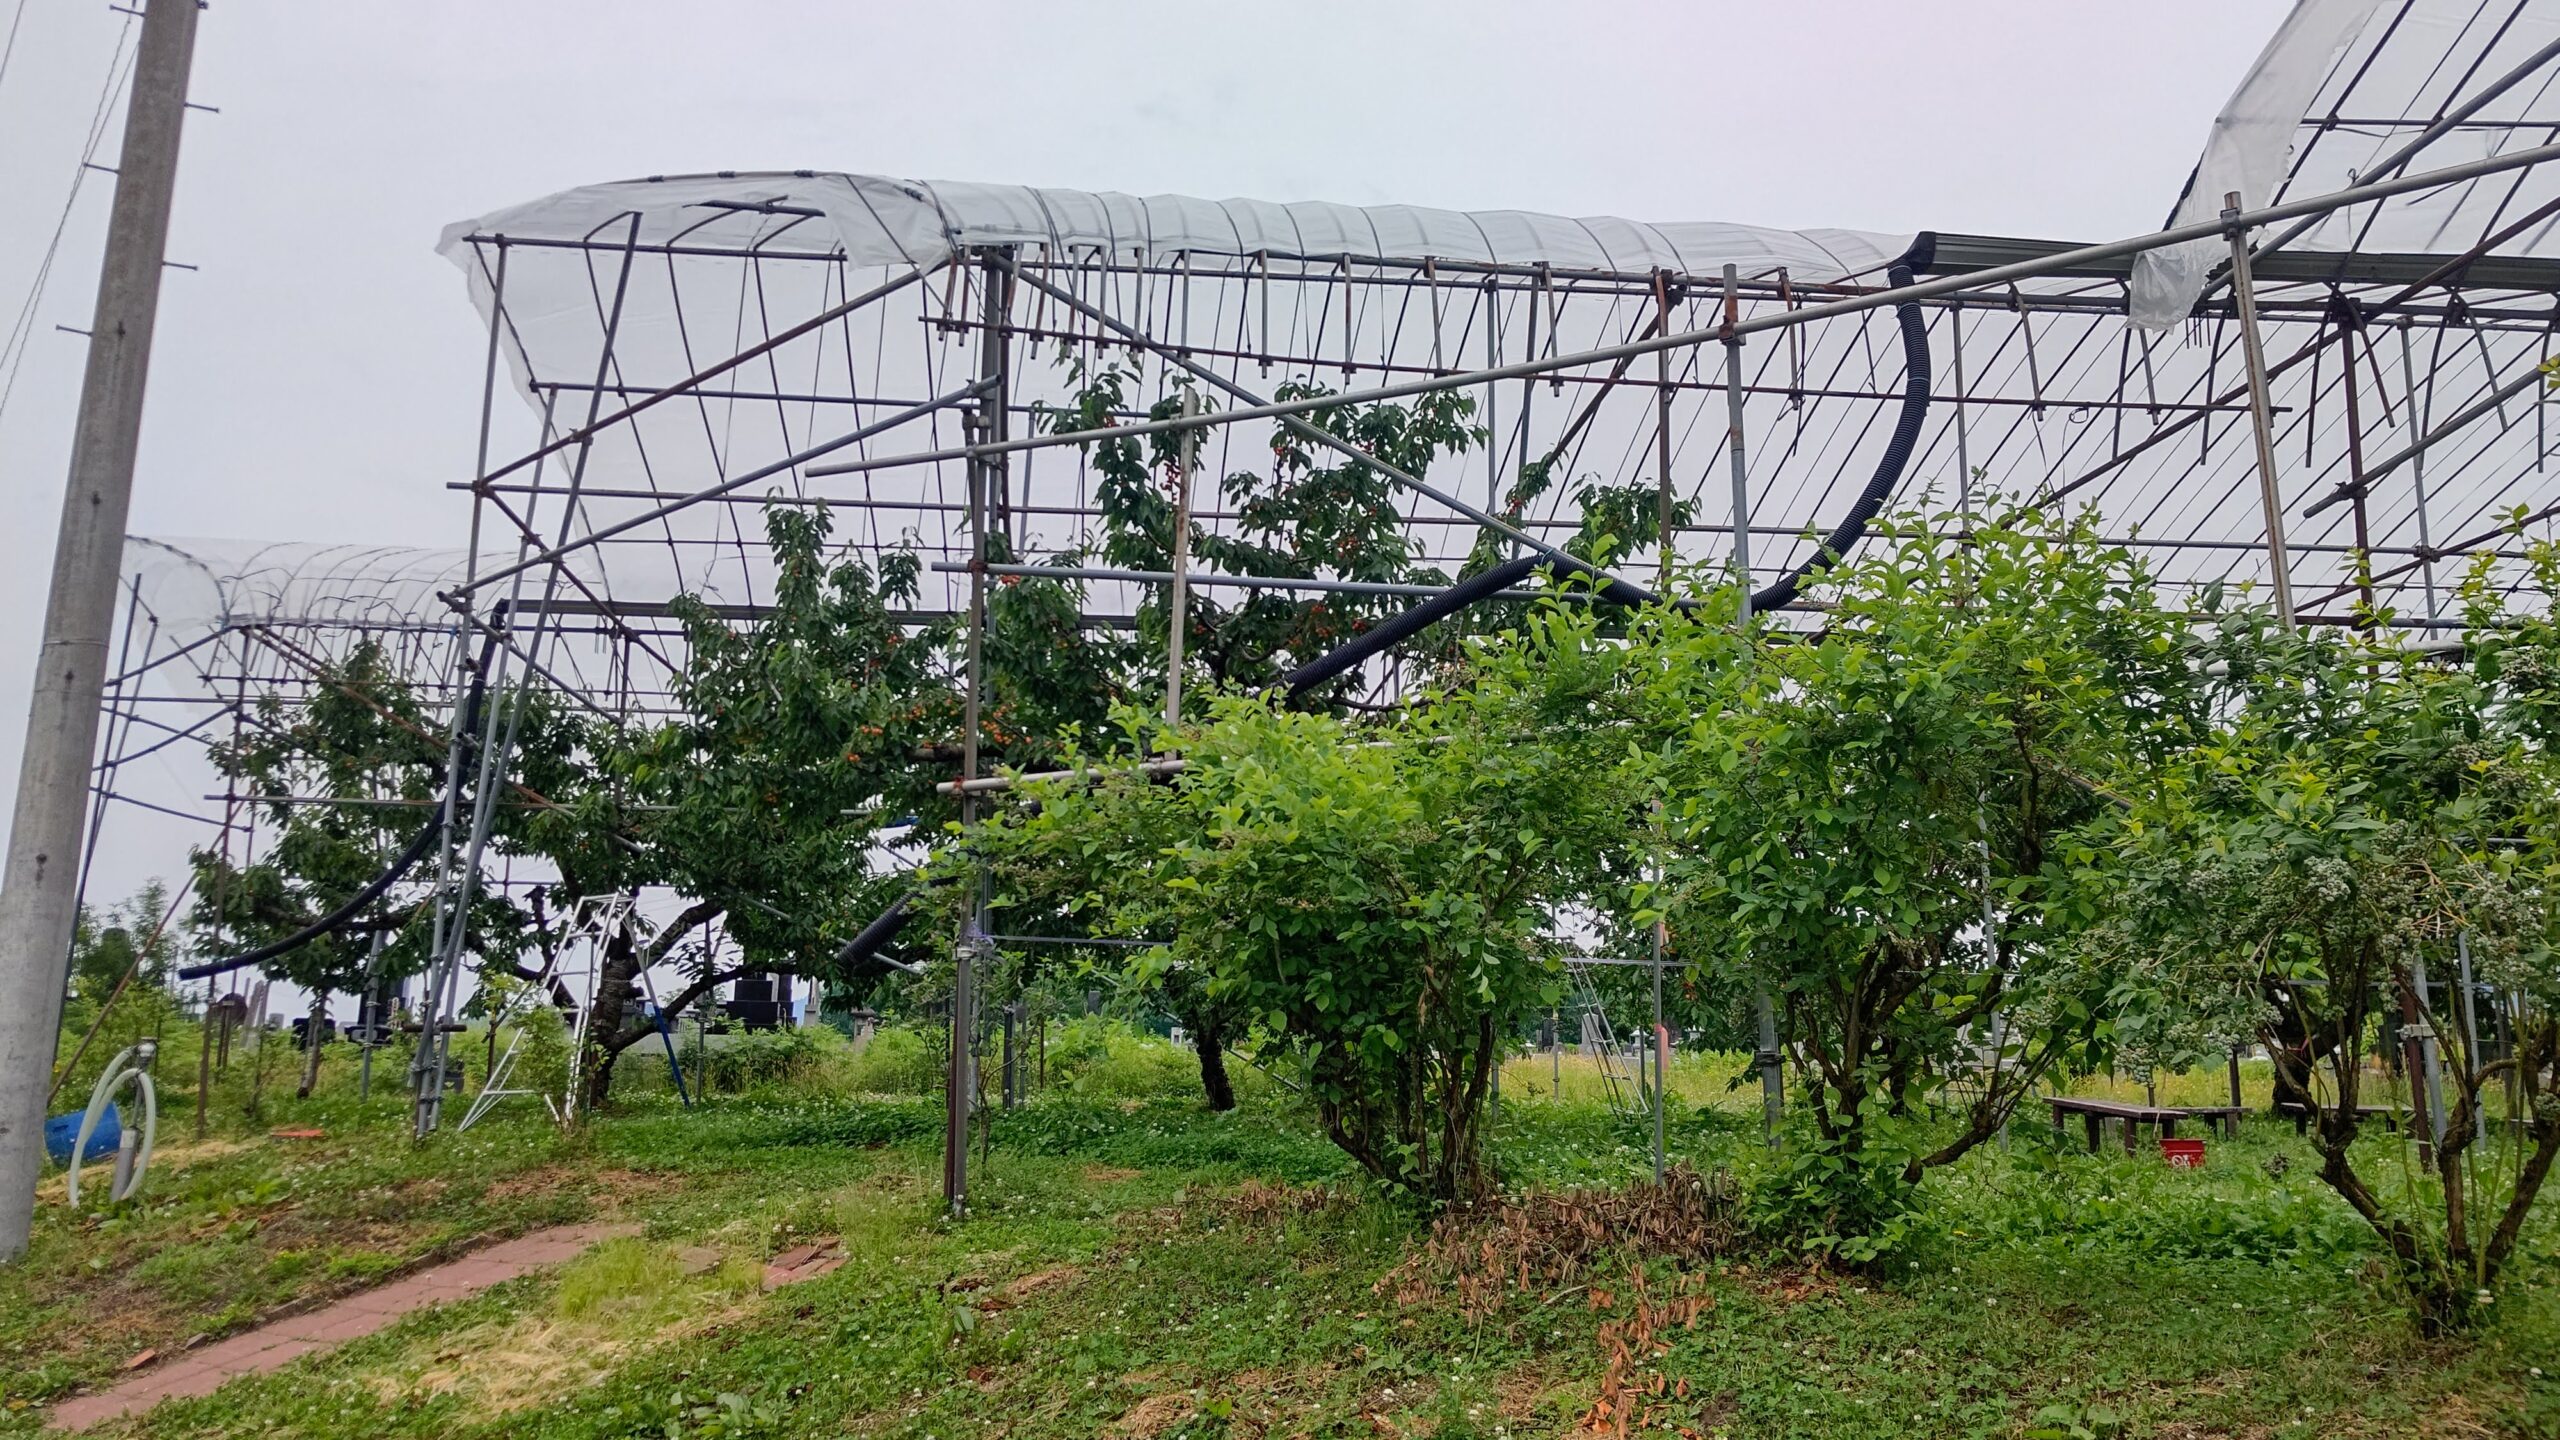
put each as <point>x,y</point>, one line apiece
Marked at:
<point>61,1130</point>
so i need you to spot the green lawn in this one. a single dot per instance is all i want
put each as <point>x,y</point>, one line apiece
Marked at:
<point>1136,1266</point>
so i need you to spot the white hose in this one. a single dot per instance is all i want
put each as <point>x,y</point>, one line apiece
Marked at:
<point>110,1080</point>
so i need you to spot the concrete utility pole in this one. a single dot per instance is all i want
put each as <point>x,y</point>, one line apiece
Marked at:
<point>36,898</point>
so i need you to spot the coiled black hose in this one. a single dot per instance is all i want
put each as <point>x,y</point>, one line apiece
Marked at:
<point>1897,456</point>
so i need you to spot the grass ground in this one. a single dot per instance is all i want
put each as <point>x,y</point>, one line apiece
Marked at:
<point>1136,1266</point>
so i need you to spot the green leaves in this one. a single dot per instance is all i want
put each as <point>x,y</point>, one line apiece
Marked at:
<point>347,777</point>
<point>794,748</point>
<point>1861,820</point>
<point>2344,812</point>
<point>1380,897</point>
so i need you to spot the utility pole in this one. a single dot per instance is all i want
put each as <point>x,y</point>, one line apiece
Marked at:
<point>36,897</point>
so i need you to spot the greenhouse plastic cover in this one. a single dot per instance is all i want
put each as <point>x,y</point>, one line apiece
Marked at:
<point>2342,87</point>
<point>875,220</point>
<point>2248,152</point>
<point>192,586</point>
<point>879,223</point>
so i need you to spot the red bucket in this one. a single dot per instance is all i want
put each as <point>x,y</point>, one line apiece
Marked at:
<point>2183,1154</point>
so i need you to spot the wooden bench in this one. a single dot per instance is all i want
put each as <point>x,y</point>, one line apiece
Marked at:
<point>2390,1115</point>
<point>2095,1113</point>
<point>2222,1120</point>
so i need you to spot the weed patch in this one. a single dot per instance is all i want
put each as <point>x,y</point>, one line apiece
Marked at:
<point>1474,1258</point>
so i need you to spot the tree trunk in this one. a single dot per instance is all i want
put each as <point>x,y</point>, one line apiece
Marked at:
<point>624,962</point>
<point>311,1044</point>
<point>1902,1071</point>
<point>1210,1041</point>
<point>613,993</point>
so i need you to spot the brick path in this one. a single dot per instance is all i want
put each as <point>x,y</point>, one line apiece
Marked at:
<point>269,1347</point>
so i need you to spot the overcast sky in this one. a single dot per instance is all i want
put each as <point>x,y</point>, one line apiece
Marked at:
<point>316,377</point>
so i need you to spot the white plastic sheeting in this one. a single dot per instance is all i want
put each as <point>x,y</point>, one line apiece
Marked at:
<point>2417,60</point>
<point>874,220</point>
<point>878,224</point>
<point>2342,94</point>
<point>192,586</point>
<point>2249,151</point>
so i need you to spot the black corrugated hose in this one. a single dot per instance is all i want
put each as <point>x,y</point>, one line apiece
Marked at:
<point>1851,529</point>
<point>1897,455</point>
<point>391,874</point>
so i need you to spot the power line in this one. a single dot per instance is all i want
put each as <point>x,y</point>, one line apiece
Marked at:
<point>13,354</point>
<point>10,46</point>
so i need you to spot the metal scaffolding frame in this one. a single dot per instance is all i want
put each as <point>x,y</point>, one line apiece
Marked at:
<point>2401,428</point>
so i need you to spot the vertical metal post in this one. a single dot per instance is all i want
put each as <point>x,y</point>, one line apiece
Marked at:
<point>1733,440</point>
<point>1178,603</point>
<point>1661,1049</point>
<point>221,895</point>
<point>37,909</point>
<point>1012,1071</point>
<point>2347,324</point>
<point>2418,1042</point>
<point>2261,417</point>
<point>204,1057</point>
<point>1529,383</point>
<point>1662,493</point>
<point>2418,466</point>
<point>1964,449</point>
<point>986,476</point>
<point>2470,1033</point>
<point>1771,1093</point>
<point>369,1015</point>
<point>1492,395</point>
<point>961,1104</point>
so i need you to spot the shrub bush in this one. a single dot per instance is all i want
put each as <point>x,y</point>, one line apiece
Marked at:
<point>1097,1056</point>
<point>896,1060</point>
<point>757,1060</point>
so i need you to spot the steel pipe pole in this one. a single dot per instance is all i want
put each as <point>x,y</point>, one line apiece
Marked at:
<point>2470,1035</point>
<point>1768,1056</point>
<point>1733,439</point>
<point>1772,1095</point>
<point>1178,602</point>
<point>2418,464</point>
<point>37,909</point>
<point>1662,396</point>
<point>986,480</point>
<point>2260,417</point>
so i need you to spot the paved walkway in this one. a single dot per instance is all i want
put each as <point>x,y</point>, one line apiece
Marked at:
<point>269,1347</point>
